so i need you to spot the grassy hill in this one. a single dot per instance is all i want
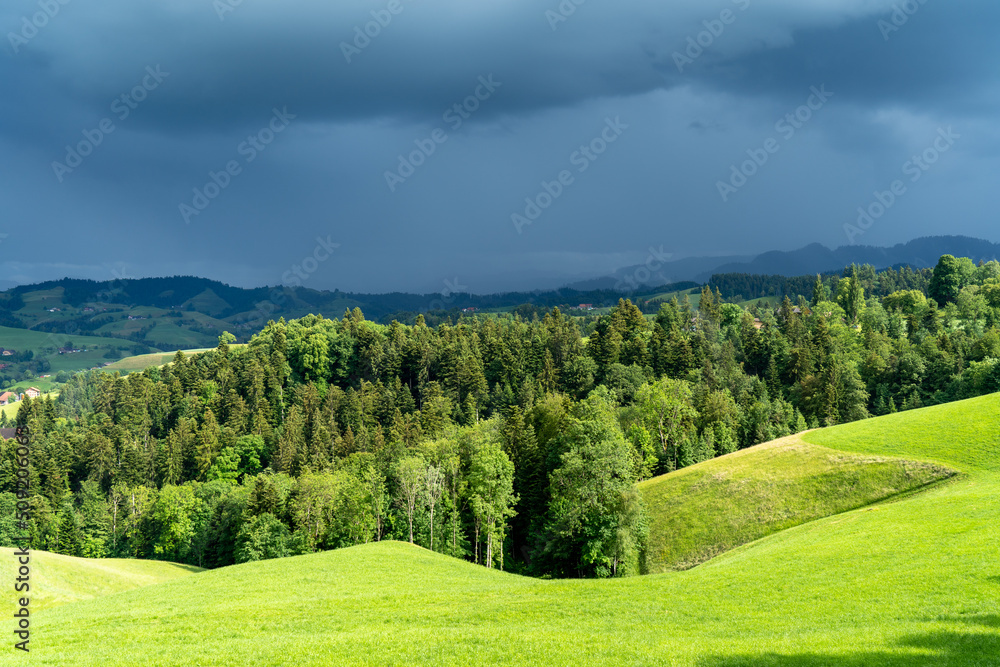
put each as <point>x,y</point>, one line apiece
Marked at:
<point>707,509</point>
<point>910,583</point>
<point>143,361</point>
<point>57,580</point>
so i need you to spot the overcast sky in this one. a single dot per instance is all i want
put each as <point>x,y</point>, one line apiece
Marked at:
<point>311,116</point>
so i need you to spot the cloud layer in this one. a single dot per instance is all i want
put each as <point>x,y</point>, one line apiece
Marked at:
<point>700,86</point>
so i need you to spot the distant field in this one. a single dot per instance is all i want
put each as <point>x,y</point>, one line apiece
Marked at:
<point>909,583</point>
<point>143,361</point>
<point>166,332</point>
<point>45,346</point>
<point>37,341</point>
<point>42,384</point>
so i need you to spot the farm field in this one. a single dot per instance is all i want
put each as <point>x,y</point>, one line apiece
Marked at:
<point>45,345</point>
<point>39,341</point>
<point>906,582</point>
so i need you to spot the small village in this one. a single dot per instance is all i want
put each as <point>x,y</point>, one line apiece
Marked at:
<point>8,397</point>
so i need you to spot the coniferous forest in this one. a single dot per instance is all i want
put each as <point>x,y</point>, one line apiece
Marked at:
<point>508,441</point>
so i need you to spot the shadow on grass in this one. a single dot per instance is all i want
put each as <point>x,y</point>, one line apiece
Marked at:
<point>193,569</point>
<point>986,620</point>
<point>933,649</point>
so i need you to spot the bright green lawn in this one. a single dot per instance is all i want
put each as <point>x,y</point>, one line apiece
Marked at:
<point>910,583</point>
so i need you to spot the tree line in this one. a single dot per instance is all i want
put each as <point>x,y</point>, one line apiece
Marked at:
<point>514,443</point>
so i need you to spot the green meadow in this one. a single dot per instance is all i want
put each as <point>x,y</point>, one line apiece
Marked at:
<point>911,579</point>
<point>11,409</point>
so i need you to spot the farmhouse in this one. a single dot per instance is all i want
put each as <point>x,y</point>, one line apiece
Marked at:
<point>7,398</point>
<point>32,392</point>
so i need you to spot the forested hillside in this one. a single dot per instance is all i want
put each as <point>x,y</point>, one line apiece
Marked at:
<point>512,443</point>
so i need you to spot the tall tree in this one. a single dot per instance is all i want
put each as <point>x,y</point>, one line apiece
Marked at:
<point>433,488</point>
<point>410,474</point>
<point>491,486</point>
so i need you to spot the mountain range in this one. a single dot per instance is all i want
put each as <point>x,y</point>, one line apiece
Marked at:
<point>814,258</point>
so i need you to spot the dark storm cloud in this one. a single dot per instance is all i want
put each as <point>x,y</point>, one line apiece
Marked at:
<point>429,54</point>
<point>943,56</point>
<point>559,81</point>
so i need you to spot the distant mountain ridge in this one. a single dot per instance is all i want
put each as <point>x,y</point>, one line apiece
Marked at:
<point>920,253</point>
<point>185,312</point>
<point>814,258</point>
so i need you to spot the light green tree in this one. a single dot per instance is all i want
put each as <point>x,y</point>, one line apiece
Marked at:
<point>410,477</point>
<point>491,489</point>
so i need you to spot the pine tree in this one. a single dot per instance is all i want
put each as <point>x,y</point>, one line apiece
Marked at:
<point>69,533</point>
<point>820,292</point>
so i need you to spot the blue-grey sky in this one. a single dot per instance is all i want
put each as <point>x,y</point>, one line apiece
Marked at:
<point>621,121</point>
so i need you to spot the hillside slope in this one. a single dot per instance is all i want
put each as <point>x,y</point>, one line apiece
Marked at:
<point>57,580</point>
<point>911,583</point>
<point>701,511</point>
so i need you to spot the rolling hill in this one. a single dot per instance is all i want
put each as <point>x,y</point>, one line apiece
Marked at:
<point>57,580</point>
<point>909,583</point>
<point>704,510</point>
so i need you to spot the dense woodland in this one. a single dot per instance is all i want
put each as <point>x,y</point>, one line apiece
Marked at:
<point>513,442</point>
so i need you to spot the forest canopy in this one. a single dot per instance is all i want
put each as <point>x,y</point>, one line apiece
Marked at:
<point>509,441</point>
